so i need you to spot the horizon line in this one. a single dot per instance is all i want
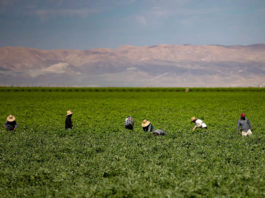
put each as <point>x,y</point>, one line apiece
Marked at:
<point>128,45</point>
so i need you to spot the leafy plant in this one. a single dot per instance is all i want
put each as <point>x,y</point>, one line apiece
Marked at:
<point>99,158</point>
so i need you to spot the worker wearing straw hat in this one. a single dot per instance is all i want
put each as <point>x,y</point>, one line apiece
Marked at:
<point>198,123</point>
<point>245,125</point>
<point>68,120</point>
<point>11,124</point>
<point>147,126</point>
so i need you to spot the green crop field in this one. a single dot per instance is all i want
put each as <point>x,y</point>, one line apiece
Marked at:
<point>99,158</point>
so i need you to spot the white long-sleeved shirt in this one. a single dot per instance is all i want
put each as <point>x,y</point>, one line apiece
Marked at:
<point>200,123</point>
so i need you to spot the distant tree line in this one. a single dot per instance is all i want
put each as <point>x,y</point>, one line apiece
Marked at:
<point>126,89</point>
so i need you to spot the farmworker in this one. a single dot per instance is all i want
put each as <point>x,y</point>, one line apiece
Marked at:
<point>11,124</point>
<point>198,123</point>
<point>147,126</point>
<point>68,120</point>
<point>129,123</point>
<point>159,132</point>
<point>245,125</point>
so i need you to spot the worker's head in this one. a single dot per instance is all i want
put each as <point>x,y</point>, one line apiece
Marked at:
<point>11,118</point>
<point>69,113</point>
<point>145,123</point>
<point>193,119</point>
<point>243,116</point>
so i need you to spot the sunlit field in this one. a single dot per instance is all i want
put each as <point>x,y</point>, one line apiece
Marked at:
<point>100,158</point>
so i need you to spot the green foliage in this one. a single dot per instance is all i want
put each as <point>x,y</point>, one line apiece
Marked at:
<point>99,158</point>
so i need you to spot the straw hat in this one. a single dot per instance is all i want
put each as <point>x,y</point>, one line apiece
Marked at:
<point>145,123</point>
<point>193,119</point>
<point>69,112</point>
<point>11,118</point>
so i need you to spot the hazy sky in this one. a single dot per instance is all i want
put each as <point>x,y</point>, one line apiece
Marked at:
<point>86,24</point>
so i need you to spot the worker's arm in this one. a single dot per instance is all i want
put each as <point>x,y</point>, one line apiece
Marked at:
<point>16,125</point>
<point>249,124</point>
<point>238,123</point>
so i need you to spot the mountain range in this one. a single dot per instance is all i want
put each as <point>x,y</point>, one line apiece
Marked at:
<point>132,66</point>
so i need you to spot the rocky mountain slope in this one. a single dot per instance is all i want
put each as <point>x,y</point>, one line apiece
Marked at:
<point>160,65</point>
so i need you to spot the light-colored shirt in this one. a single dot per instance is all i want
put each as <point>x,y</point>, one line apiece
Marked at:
<point>200,123</point>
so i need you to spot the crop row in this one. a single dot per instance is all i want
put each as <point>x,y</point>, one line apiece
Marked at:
<point>99,158</point>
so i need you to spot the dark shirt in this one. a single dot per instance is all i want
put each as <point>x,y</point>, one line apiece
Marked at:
<point>10,126</point>
<point>244,124</point>
<point>68,122</point>
<point>159,132</point>
<point>149,128</point>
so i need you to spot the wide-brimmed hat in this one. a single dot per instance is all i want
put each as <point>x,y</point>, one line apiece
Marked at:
<point>11,118</point>
<point>193,119</point>
<point>145,123</point>
<point>69,112</point>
